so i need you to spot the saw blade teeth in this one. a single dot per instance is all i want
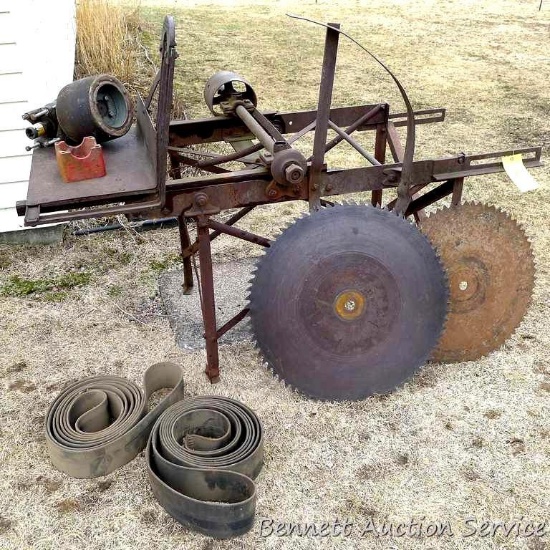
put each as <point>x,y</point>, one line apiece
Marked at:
<point>498,228</point>
<point>263,280</point>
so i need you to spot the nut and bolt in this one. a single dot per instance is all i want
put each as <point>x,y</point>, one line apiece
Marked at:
<point>294,173</point>
<point>201,199</point>
<point>392,177</point>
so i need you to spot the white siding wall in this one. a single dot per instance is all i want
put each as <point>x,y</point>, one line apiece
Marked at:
<point>37,41</point>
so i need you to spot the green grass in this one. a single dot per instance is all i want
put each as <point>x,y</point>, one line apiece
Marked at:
<point>167,261</point>
<point>52,288</point>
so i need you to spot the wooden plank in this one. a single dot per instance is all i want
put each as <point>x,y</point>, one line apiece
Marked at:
<point>10,117</point>
<point>12,88</point>
<point>15,168</point>
<point>8,29</point>
<point>12,143</point>
<point>10,193</point>
<point>9,221</point>
<point>10,58</point>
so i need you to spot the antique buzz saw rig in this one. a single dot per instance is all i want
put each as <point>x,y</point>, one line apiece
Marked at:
<point>350,300</point>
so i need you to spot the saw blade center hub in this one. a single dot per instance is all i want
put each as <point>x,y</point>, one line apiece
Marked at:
<point>465,282</point>
<point>349,304</point>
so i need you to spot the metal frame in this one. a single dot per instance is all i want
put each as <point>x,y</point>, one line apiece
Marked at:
<point>199,198</point>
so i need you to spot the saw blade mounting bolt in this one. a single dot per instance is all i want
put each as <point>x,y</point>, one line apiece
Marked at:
<point>294,173</point>
<point>349,305</point>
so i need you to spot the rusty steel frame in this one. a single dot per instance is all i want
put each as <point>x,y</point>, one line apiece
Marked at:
<point>200,197</point>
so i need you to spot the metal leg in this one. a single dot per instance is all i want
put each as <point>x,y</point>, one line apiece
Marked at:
<point>457,191</point>
<point>185,255</point>
<point>175,166</point>
<point>380,156</point>
<point>208,301</point>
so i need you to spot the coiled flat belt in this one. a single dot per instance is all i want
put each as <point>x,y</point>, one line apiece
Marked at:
<point>202,455</point>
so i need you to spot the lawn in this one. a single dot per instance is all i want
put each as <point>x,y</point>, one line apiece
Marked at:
<point>458,443</point>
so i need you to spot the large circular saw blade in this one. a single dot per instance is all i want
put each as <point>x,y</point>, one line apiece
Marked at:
<point>348,302</point>
<point>490,268</point>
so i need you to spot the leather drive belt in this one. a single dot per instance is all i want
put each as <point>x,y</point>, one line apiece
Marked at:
<point>202,455</point>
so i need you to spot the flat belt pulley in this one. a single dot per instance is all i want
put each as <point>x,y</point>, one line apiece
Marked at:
<point>491,275</point>
<point>348,302</point>
<point>98,106</point>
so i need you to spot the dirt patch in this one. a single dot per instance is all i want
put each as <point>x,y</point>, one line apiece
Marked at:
<point>24,386</point>
<point>16,367</point>
<point>68,506</point>
<point>5,524</point>
<point>102,486</point>
<point>50,485</point>
<point>517,445</point>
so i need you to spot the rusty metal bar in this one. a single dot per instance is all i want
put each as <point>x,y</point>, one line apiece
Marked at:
<point>423,116</point>
<point>233,220</point>
<point>175,165</point>
<point>232,322</point>
<point>221,128</point>
<point>196,164</point>
<point>302,132</point>
<point>430,197</point>
<point>208,302</point>
<point>185,242</point>
<point>239,233</point>
<point>267,125</point>
<point>232,156</point>
<point>256,128</point>
<point>323,114</point>
<point>354,144</point>
<point>394,142</point>
<point>414,190</point>
<point>457,191</point>
<point>471,169</point>
<point>352,127</point>
<point>380,155</point>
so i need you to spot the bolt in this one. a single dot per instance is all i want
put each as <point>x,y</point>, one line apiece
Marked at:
<point>272,193</point>
<point>328,187</point>
<point>392,177</point>
<point>294,173</point>
<point>201,199</point>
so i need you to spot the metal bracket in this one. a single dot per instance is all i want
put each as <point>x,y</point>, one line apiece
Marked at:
<point>201,206</point>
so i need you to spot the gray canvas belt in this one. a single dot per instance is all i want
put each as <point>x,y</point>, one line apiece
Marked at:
<point>202,455</point>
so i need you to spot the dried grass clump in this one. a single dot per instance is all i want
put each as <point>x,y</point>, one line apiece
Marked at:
<point>107,41</point>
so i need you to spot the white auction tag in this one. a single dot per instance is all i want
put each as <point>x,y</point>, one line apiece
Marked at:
<point>513,164</point>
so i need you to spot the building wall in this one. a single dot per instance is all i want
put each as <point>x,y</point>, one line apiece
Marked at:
<point>37,45</point>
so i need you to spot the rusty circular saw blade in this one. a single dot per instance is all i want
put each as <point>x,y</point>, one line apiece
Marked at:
<point>490,269</point>
<point>335,304</point>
